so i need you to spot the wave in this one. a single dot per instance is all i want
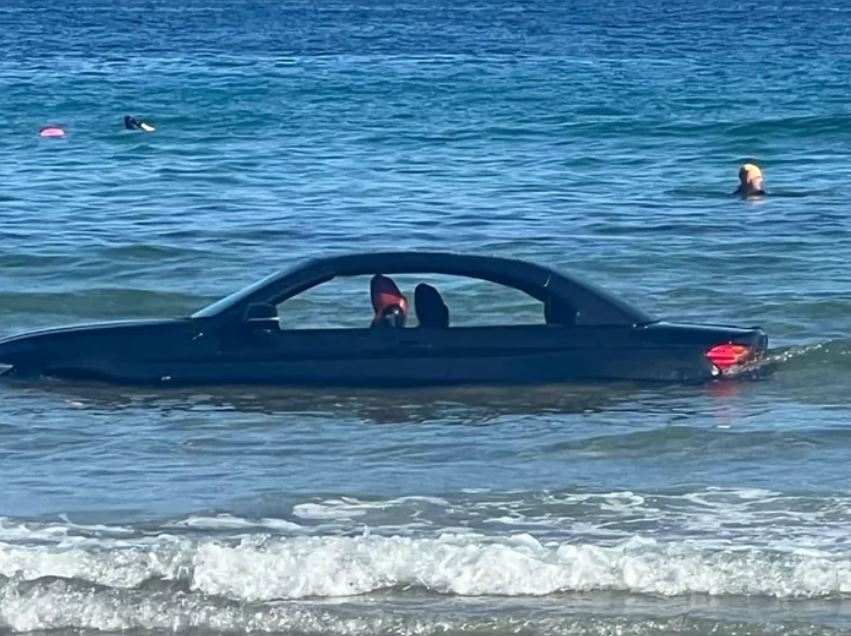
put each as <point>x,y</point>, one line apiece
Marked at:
<point>64,605</point>
<point>258,567</point>
<point>474,565</point>
<point>807,126</point>
<point>835,353</point>
<point>674,439</point>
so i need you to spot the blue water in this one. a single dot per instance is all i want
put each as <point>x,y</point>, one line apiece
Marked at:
<point>602,138</point>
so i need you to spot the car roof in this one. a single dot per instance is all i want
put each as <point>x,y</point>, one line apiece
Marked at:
<point>538,281</point>
<point>495,268</point>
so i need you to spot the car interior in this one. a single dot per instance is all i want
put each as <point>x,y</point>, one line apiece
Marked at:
<point>325,306</point>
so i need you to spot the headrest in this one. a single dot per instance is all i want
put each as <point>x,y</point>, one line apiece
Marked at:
<point>431,310</point>
<point>387,300</point>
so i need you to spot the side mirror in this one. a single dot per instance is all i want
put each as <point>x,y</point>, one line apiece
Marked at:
<point>261,315</point>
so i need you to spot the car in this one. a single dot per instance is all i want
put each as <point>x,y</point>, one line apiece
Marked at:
<point>583,334</point>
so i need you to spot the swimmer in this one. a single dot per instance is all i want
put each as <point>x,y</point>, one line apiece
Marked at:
<point>750,181</point>
<point>131,123</point>
<point>52,131</point>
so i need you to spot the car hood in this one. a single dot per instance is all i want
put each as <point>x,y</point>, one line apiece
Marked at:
<point>48,342</point>
<point>95,326</point>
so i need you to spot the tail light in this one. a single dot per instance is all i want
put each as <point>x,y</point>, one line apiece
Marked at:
<point>725,356</point>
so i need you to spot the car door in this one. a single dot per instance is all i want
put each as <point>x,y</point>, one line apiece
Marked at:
<point>367,357</point>
<point>523,353</point>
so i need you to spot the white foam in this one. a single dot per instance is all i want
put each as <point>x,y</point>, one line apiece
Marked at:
<point>520,565</point>
<point>743,542</point>
<point>62,607</point>
<point>112,564</point>
<point>11,530</point>
<point>262,568</point>
<point>327,510</point>
<point>349,507</point>
<point>230,522</point>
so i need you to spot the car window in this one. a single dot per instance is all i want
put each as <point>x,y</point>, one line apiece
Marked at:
<point>477,303</point>
<point>345,303</point>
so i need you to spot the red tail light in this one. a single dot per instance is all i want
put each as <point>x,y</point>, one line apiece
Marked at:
<point>728,355</point>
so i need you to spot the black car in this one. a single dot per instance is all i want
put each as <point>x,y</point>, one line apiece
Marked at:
<point>583,333</point>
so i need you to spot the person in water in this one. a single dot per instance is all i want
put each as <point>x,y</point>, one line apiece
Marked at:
<point>131,123</point>
<point>751,181</point>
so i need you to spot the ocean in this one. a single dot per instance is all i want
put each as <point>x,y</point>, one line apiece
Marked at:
<point>601,138</point>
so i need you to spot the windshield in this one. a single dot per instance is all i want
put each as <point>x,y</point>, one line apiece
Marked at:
<point>221,306</point>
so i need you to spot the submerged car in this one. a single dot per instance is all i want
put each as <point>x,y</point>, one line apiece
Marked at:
<point>583,334</point>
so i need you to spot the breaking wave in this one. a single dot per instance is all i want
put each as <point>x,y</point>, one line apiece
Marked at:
<point>61,605</point>
<point>257,562</point>
<point>257,582</point>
